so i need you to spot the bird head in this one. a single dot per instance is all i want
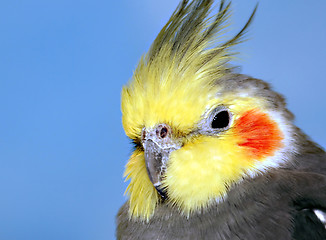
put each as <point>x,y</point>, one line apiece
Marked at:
<point>198,127</point>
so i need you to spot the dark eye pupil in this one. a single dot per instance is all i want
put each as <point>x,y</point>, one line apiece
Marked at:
<point>221,120</point>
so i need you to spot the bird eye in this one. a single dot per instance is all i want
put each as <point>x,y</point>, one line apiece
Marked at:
<point>221,119</point>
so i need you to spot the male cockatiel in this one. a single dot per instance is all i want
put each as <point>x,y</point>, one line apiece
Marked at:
<point>217,155</point>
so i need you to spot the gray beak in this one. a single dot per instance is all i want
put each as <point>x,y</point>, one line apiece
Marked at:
<point>158,145</point>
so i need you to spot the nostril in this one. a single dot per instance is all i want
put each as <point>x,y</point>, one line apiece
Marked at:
<point>163,132</point>
<point>143,135</point>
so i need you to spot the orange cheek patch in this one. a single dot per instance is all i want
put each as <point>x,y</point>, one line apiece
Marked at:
<point>259,134</point>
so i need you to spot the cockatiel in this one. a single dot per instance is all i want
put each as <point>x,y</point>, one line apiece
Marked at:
<point>217,155</point>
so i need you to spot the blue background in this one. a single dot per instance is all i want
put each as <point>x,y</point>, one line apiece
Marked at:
<point>62,66</point>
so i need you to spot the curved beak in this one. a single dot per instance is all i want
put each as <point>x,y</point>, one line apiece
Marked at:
<point>158,145</point>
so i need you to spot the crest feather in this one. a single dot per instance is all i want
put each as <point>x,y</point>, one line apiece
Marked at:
<point>183,64</point>
<point>192,39</point>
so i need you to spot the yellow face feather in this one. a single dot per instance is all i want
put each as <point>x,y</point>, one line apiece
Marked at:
<point>143,195</point>
<point>177,83</point>
<point>202,170</point>
<point>179,102</point>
